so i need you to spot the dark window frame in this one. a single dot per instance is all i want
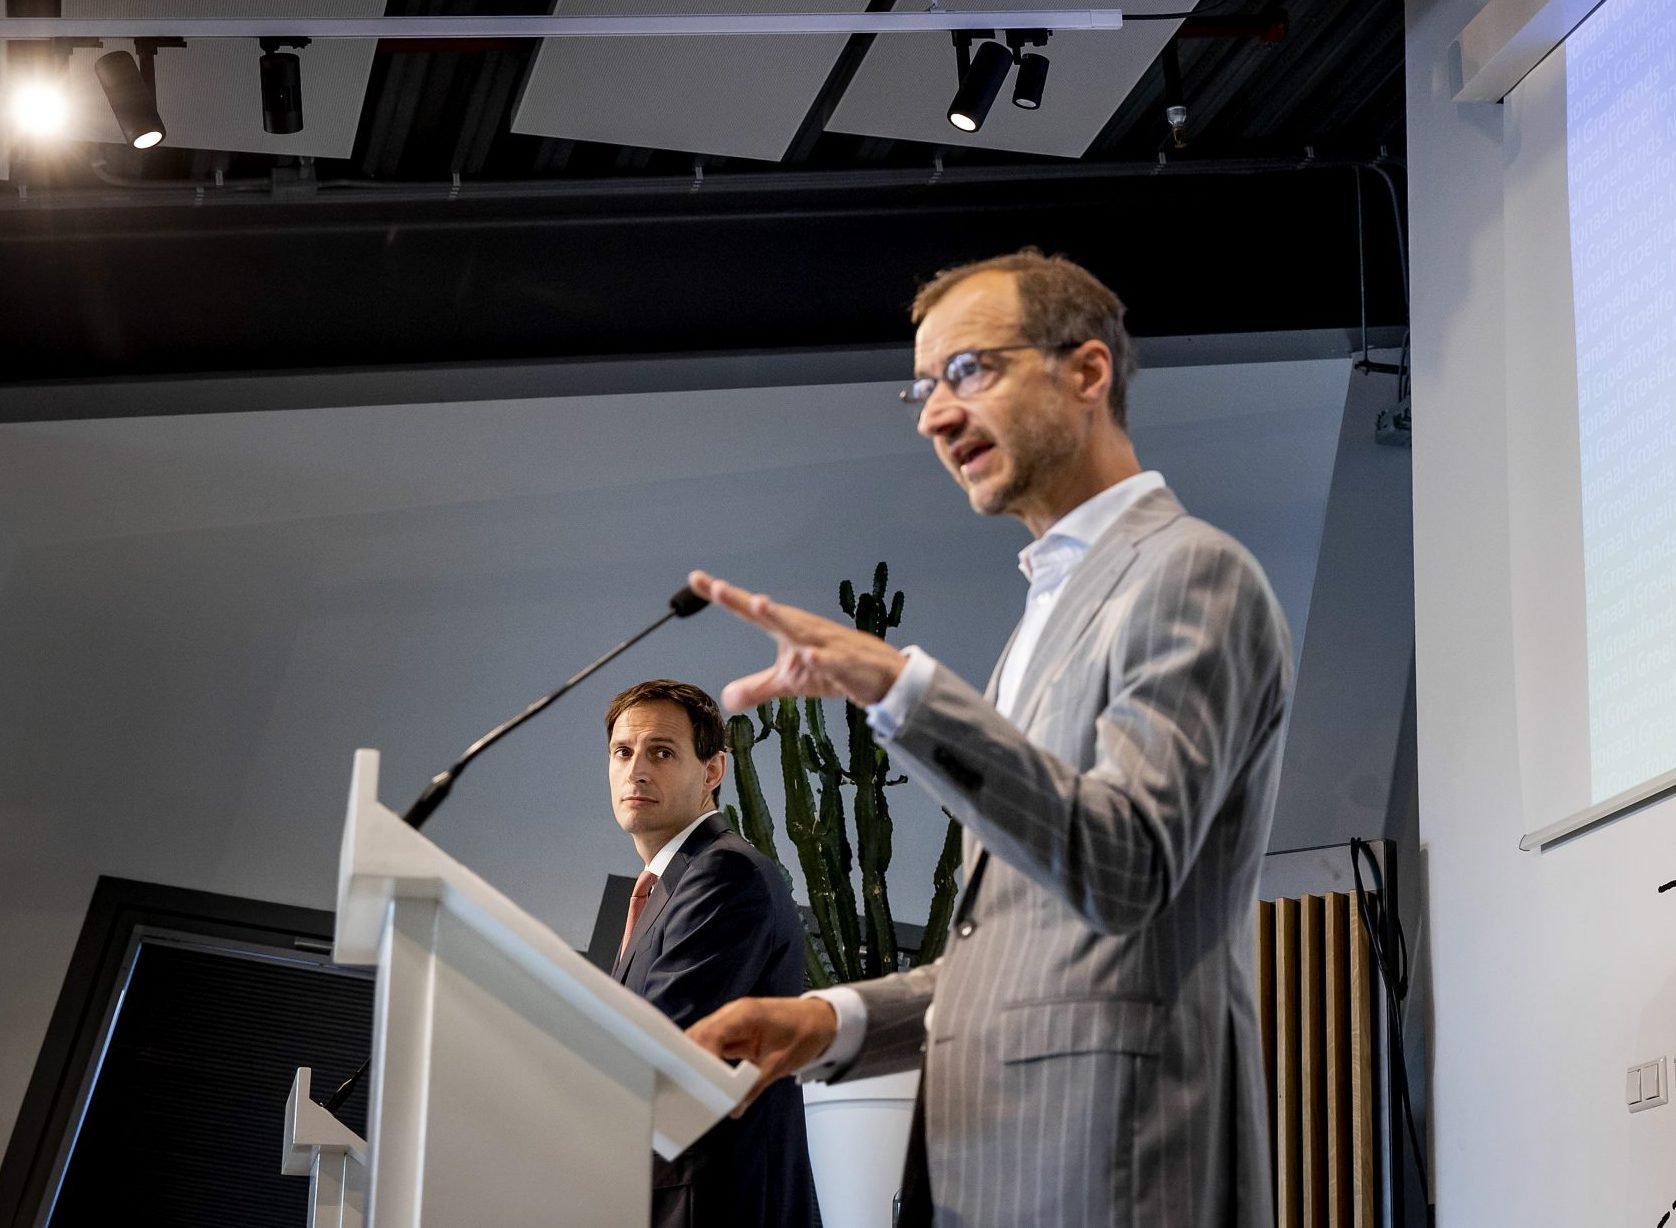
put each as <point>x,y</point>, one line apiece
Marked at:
<point>122,914</point>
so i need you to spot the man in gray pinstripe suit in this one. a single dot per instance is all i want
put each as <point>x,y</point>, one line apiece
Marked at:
<point>1090,1039</point>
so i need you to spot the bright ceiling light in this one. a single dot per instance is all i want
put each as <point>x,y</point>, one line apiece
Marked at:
<point>40,108</point>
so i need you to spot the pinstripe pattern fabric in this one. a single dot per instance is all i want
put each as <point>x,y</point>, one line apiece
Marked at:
<point>1094,1053</point>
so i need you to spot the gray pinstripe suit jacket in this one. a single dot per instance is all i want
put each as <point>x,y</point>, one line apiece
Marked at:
<point>1093,1051</point>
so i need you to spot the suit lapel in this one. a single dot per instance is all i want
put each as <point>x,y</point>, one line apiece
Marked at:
<point>993,690</point>
<point>701,838</point>
<point>1089,587</point>
<point>1107,561</point>
<point>970,849</point>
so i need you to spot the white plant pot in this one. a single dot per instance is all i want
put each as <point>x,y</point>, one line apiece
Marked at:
<point>858,1138</point>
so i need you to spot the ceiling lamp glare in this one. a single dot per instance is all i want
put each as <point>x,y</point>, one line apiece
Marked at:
<point>39,108</point>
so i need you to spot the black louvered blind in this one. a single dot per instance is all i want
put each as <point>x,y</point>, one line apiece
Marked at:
<point>184,1125</point>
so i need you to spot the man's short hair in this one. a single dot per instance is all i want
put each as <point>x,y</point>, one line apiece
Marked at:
<point>1061,302</point>
<point>709,732</point>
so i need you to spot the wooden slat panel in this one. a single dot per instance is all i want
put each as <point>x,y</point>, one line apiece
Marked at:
<point>1266,1021</point>
<point>1312,1010</point>
<point>1363,1046</point>
<point>1288,1116</point>
<point>1340,1147</point>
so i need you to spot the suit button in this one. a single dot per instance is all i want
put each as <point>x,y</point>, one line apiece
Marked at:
<point>966,929</point>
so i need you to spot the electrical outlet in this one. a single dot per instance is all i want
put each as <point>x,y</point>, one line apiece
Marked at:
<point>1647,1086</point>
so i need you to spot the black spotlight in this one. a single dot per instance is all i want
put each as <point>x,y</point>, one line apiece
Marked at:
<point>133,100</point>
<point>282,86</point>
<point>1031,80</point>
<point>979,87</point>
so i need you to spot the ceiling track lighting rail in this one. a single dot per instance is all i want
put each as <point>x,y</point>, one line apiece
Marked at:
<point>559,26</point>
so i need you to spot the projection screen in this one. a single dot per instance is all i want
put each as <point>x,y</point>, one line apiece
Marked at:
<point>1591,297</point>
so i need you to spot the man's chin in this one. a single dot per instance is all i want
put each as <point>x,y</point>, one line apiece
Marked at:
<point>989,501</point>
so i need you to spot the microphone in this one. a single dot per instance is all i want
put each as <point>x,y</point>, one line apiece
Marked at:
<point>683,604</point>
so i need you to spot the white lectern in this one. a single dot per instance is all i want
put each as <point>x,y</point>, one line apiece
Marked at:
<point>513,1082</point>
<point>331,1155</point>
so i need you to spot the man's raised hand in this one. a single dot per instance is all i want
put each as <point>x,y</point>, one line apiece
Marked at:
<point>813,656</point>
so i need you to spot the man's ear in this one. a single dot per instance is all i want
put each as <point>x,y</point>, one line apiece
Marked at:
<point>714,769</point>
<point>1090,366</point>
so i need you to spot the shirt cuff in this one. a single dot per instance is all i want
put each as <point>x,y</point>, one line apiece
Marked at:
<point>887,716</point>
<point>851,1010</point>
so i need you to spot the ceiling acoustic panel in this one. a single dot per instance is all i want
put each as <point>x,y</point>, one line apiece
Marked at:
<point>741,95</point>
<point>209,92</point>
<point>903,89</point>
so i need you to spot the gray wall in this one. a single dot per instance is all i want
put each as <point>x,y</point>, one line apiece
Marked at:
<point>202,617</point>
<point>1349,713</point>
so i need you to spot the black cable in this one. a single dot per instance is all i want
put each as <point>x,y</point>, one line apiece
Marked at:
<point>1395,980</point>
<point>1378,168</point>
<point>346,1088</point>
<point>1361,261</point>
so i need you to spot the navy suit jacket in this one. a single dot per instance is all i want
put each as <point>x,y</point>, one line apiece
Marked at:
<point>720,924</point>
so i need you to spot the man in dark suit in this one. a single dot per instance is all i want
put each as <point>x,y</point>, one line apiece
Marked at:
<point>711,920</point>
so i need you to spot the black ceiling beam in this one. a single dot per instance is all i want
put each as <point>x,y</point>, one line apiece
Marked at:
<point>843,71</point>
<point>1270,26</point>
<point>93,294</point>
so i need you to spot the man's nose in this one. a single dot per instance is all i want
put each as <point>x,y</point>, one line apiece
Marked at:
<point>941,413</point>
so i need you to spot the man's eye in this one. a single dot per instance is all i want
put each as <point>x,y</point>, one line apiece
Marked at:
<point>962,367</point>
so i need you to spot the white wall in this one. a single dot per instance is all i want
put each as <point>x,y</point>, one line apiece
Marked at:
<point>1551,973</point>
<point>201,617</point>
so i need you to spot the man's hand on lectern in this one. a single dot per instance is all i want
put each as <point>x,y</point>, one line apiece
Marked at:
<point>776,1035</point>
<point>814,656</point>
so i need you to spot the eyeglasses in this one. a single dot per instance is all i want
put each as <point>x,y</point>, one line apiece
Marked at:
<point>970,371</point>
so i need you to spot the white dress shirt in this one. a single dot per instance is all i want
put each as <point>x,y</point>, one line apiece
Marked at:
<point>661,859</point>
<point>1047,563</point>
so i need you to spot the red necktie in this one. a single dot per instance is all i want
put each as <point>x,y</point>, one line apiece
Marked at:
<point>637,905</point>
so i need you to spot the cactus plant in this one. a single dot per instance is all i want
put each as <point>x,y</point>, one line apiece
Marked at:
<point>847,942</point>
